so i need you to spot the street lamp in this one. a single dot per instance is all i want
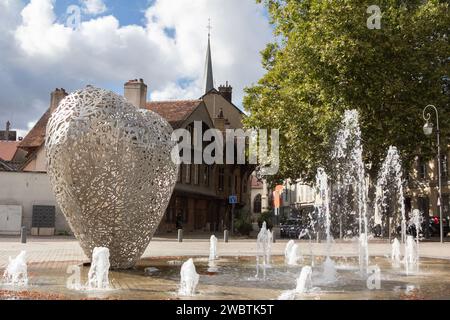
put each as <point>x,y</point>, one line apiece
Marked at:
<point>428,130</point>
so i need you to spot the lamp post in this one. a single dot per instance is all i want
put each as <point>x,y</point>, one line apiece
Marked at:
<point>428,130</point>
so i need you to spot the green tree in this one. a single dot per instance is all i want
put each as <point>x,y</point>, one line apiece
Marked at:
<point>327,60</point>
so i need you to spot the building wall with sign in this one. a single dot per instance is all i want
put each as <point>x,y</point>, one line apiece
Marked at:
<point>28,189</point>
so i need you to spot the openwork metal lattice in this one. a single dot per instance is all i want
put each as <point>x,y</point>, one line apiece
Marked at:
<point>111,171</point>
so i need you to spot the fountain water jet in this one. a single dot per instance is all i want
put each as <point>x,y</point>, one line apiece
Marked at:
<point>306,232</point>
<point>16,271</point>
<point>269,246</point>
<point>416,220</point>
<point>304,281</point>
<point>293,256</point>
<point>390,185</point>
<point>287,250</point>
<point>395,253</point>
<point>324,212</point>
<point>363,253</point>
<point>304,285</point>
<point>350,175</point>
<point>411,260</point>
<point>324,204</point>
<point>213,248</point>
<point>263,247</point>
<point>98,273</point>
<point>212,267</point>
<point>189,279</point>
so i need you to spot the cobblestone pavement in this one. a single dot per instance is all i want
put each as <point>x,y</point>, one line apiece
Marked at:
<point>60,249</point>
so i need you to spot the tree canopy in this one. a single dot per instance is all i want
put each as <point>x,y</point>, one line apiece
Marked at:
<point>326,60</point>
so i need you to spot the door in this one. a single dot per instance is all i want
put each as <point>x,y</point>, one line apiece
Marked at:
<point>10,219</point>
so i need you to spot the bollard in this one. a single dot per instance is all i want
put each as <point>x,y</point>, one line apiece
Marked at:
<point>23,234</point>
<point>225,236</point>
<point>180,235</point>
<point>274,236</point>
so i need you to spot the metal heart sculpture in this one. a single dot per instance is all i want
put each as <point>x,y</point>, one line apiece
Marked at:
<point>111,171</point>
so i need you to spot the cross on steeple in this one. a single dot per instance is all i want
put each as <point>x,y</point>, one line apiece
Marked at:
<point>209,27</point>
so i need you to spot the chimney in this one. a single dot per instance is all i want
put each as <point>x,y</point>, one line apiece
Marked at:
<point>8,127</point>
<point>135,92</point>
<point>56,97</point>
<point>227,92</point>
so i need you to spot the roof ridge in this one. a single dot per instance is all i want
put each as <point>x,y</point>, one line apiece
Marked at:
<point>171,101</point>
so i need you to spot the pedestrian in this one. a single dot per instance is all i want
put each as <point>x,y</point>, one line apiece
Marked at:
<point>179,220</point>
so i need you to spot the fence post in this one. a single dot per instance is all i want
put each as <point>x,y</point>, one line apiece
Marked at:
<point>23,234</point>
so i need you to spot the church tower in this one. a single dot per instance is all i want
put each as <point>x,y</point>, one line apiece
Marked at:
<point>209,78</point>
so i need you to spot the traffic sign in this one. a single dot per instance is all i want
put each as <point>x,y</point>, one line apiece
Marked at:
<point>233,200</point>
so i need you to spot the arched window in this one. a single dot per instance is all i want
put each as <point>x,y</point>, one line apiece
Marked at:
<point>257,204</point>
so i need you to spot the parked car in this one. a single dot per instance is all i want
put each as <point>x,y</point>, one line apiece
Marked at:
<point>435,226</point>
<point>430,230</point>
<point>290,228</point>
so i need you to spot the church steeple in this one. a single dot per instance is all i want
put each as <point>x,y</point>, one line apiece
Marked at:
<point>209,78</point>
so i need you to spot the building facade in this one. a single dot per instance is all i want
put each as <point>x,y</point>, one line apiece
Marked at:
<point>423,186</point>
<point>295,198</point>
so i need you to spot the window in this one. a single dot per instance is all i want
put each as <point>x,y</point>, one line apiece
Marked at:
<point>196,174</point>
<point>205,175</point>
<point>270,196</point>
<point>221,178</point>
<point>257,204</point>
<point>422,169</point>
<point>423,204</point>
<point>180,173</point>
<point>444,166</point>
<point>446,205</point>
<point>188,173</point>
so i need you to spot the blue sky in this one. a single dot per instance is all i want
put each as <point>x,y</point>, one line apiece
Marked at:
<point>126,11</point>
<point>162,41</point>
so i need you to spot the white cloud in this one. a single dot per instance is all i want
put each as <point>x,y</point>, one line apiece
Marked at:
<point>174,92</point>
<point>39,35</point>
<point>43,54</point>
<point>94,7</point>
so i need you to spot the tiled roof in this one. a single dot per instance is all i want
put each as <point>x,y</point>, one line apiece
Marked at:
<point>36,137</point>
<point>175,112</point>
<point>8,149</point>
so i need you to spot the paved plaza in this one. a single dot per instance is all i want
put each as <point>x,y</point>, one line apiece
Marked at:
<point>63,249</point>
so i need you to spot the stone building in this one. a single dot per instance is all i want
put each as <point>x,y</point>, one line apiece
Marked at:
<point>422,191</point>
<point>295,198</point>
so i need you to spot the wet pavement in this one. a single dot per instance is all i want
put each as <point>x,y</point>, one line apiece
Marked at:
<point>49,259</point>
<point>234,278</point>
